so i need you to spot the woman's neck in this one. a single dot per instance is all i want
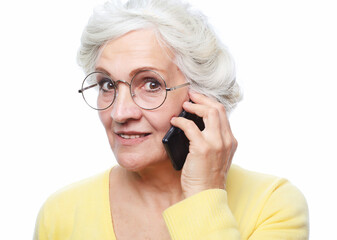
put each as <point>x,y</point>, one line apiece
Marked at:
<point>158,185</point>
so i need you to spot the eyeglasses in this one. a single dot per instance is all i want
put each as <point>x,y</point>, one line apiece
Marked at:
<point>147,88</point>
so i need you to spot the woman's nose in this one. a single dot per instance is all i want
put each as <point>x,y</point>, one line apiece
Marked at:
<point>124,108</point>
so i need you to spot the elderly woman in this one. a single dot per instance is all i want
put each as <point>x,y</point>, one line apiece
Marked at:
<point>146,61</point>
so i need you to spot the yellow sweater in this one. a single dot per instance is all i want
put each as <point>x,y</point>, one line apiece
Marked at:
<point>255,207</point>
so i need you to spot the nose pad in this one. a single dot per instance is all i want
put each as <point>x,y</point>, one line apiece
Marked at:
<point>124,108</point>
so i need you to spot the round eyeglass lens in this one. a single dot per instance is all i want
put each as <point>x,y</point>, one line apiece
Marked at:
<point>98,90</point>
<point>148,89</point>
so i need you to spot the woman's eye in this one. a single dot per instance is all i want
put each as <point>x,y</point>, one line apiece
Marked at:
<point>152,85</point>
<point>106,85</point>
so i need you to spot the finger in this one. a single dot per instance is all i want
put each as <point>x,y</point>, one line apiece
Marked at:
<point>210,116</point>
<point>224,125</point>
<point>214,114</point>
<point>198,109</point>
<point>190,129</point>
<point>228,139</point>
<point>199,98</point>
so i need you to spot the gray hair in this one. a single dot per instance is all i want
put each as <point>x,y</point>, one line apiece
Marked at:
<point>199,54</point>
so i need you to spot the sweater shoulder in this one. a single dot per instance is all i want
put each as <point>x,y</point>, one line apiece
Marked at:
<point>244,184</point>
<point>73,208</point>
<point>258,199</point>
<point>80,189</point>
<point>67,202</point>
<point>240,178</point>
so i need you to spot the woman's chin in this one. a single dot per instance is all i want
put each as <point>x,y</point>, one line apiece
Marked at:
<point>138,163</point>
<point>131,167</point>
<point>140,160</point>
<point>132,163</point>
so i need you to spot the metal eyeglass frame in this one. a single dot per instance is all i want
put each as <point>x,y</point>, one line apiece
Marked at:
<point>129,84</point>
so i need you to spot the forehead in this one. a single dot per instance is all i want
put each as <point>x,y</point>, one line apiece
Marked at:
<point>136,49</point>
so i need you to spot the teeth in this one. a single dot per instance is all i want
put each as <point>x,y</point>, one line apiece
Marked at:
<point>131,136</point>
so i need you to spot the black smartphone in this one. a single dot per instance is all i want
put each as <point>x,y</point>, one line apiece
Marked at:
<point>177,144</point>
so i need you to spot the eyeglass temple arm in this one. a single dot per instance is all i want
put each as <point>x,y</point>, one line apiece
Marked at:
<point>83,89</point>
<point>176,87</point>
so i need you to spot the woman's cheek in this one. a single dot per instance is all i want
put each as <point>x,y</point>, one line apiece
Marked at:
<point>105,118</point>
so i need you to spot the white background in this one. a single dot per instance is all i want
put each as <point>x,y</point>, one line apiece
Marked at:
<point>286,58</point>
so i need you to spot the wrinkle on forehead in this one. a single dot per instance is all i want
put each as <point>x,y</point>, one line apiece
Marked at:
<point>136,49</point>
<point>161,46</point>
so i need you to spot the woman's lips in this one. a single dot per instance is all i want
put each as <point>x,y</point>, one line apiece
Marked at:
<point>130,138</point>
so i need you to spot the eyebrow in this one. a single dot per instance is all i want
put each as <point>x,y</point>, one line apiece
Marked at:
<point>134,71</point>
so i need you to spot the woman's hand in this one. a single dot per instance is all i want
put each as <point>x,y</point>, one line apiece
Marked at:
<point>211,150</point>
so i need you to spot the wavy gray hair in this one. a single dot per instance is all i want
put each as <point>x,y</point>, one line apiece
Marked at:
<point>199,54</point>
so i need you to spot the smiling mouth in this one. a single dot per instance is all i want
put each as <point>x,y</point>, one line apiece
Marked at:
<point>133,136</point>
